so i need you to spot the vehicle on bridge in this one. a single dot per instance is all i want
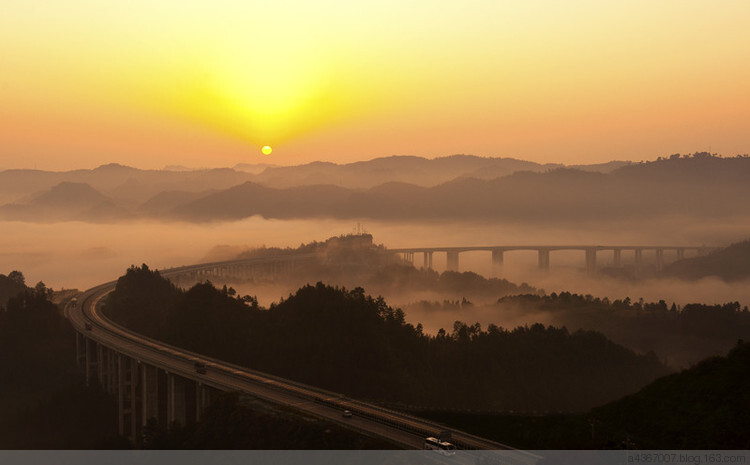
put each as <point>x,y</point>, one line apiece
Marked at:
<point>87,326</point>
<point>200,367</point>
<point>346,414</point>
<point>444,448</point>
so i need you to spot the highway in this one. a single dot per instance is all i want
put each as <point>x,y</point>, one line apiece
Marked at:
<point>403,430</point>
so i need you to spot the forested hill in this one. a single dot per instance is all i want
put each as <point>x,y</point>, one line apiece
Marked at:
<point>355,344</point>
<point>11,286</point>
<point>730,264</point>
<point>705,407</point>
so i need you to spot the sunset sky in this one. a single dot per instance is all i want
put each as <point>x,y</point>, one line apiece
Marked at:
<point>205,84</point>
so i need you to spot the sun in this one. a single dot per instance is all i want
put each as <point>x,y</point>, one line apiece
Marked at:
<point>266,150</point>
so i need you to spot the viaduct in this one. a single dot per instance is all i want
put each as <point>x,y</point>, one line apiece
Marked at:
<point>155,381</point>
<point>543,253</point>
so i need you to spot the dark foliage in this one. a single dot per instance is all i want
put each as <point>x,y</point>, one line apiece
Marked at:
<point>43,404</point>
<point>730,264</point>
<point>705,407</point>
<point>355,344</point>
<point>11,286</point>
<point>682,336</point>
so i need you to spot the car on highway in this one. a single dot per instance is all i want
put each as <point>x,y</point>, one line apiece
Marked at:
<point>200,368</point>
<point>87,326</point>
<point>442,447</point>
<point>346,414</point>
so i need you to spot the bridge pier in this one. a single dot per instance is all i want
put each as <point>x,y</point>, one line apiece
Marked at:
<point>590,260</point>
<point>617,257</point>
<point>497,257</point>
<point>149,393</point>
<point>120,394</point>
<point>659,259</point>
<point>100,363</point>
<point>638,258</point>
<point>80,353</point>
<point>428,260</point>
<point>680,254</point>
<point>89,363</point>
<point>543,259</point>
<point>452,261</point>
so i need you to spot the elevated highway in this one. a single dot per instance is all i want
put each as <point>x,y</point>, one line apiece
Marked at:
<point>543,253</point>
<point>151,379</point>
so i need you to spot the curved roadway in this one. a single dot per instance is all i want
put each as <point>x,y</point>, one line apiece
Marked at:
<point>402,429</point>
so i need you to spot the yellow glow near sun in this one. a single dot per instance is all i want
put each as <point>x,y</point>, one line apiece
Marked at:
<point>266,150</point>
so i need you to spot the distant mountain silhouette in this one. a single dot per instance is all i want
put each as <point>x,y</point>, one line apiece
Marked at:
<point>163,202</point>
<point>699,186</point>
<point>640,191</point>
<point>731,263</point>
<point>250,199</point>
<point>119,182</point>
<point>407,169</point>
<point>67,200</point>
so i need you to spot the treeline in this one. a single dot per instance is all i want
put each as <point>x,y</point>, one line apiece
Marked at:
<point>730,264</point>
<point>43,402</point>
<point>682,336</point>
<point>352,343</point>
<point>395,278</point>
<point>704,407</point>
<point>11,286</point>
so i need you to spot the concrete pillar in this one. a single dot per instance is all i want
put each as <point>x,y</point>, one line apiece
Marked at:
<point>88,361</point>
<point>428,260</point>
<point>170,399</point>
<point>120,394</point>
<point>100,364</point>
<point>112,363</point>
<point>659,259</point>
<point>680,254</point>
<point>617,254</point>
<point>133,399</point>
<point>452,261</point>
<point>199,393</point>
<point>590,260</point>
<point>149,393</point>
<point>638,258</point>
<point>497,257</point>
<point>79,351</point>
<point>543,259</point>
<point>180,399</point>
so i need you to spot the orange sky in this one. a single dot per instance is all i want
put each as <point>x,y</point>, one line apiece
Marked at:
<point>205,84</point>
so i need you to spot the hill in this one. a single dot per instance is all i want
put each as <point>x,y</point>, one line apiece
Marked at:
<point>405,169</point>
<point>65,201</point>
<point>730,264</point>
<point>122,183</point>
<point>355,344</point>
<point>632,192</point>
<point>460,187</point>
<point>704,407</point>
